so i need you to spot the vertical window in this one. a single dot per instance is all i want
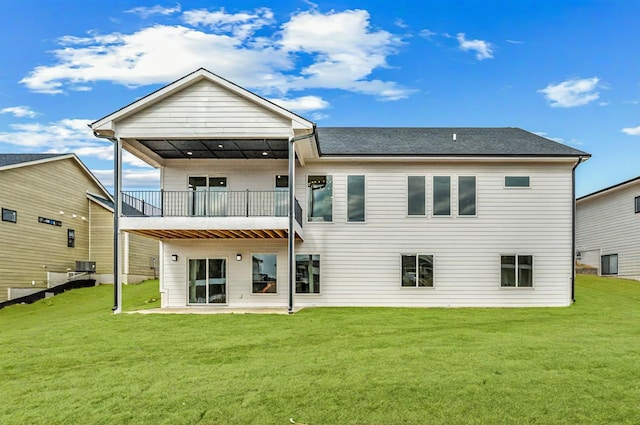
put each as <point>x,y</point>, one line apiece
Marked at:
<point>355,198</point>
<point>71,238</point>
<point>516,181</point>
<point>416,195</point>
<point>264,268</point>
<point>9,215</point>
<point>637,201</point>
<point>466,195</point>
<point>307,274</point>
<point>516,271</point>
<point>281,200</point>
<point>319,198</point>
<point>417,270</point>
<point>609,264</point>
<point>441,195</point>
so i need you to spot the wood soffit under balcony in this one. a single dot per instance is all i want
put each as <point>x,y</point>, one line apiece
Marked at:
<point>213,234</point>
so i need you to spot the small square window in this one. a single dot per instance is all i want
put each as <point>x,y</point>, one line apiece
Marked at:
<point>9,215</point>
<point>417,270</point>
<point>516,181</point>
<point>609,264</point>
<point>516,271</point>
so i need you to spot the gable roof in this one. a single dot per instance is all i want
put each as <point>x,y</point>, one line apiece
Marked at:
<point>104,126</point>
<point>16,160</point>
<point>444,141</point>
<point>19,159</point>
<point>609,189</point>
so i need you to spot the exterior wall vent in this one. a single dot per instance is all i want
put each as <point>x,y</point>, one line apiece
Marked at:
<point>454,136</point>
<point>85,266</point>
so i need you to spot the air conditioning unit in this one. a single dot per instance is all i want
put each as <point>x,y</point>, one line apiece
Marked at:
<point>86,266</point>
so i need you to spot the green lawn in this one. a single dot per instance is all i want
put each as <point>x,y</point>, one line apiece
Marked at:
<point>68,360</point>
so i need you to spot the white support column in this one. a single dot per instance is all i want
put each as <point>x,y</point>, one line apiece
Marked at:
<point>117,188</point>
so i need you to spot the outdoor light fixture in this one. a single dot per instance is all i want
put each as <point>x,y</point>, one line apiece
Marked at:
<point>238,257</point>
<point>174,257</point>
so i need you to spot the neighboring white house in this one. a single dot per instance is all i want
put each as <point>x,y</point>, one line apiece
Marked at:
<point>608,230</point>
<point>383,216</point>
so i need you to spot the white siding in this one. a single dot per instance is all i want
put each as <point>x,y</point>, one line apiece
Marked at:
<point>607,223</point>
<point>201,110</point>
<point>360,262</point>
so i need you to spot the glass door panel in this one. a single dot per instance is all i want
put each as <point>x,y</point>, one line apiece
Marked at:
<point>218,196</point>
<point>198,196</point>
<point>217,281</point>
<point>197,281</point>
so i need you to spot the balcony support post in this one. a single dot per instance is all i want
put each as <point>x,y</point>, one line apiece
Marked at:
<point>117,208</point>
<point>291,236</point>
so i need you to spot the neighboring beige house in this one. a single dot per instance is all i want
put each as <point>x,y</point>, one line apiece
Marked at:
<point>54,214</point>
<point>258,207</point>
<point>608,230</point>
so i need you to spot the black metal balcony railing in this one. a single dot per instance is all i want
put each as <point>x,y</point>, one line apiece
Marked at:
<point>208,204</point>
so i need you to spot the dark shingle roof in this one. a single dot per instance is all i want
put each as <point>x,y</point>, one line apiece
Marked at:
<point>413,141</point>
<point>19,158</point>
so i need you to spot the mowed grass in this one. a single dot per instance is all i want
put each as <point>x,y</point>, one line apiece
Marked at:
<point>68,360</point>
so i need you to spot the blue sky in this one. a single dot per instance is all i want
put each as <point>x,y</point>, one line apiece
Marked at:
<point>568,70</point>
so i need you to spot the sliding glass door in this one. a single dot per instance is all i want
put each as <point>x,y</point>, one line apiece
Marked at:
<point>208,281</point>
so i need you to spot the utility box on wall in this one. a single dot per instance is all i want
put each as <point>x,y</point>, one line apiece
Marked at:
<point>86,266</point>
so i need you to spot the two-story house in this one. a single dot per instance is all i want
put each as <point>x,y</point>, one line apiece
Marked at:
<point>608,230</point>
<point>260,208</point>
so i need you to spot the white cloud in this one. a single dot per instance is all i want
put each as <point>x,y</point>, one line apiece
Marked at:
<point>145,12</point>
<point>427,34</point>
<point>19,111</point>
<point>336,50</point>
<point>302,104</point>
<point>241,25</point>
<point>570,93</point>
<point>632,131</point>
<point>515,42</point>
<point>482,48</point>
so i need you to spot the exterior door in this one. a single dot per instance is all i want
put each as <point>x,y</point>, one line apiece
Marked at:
<point>207,281</point>
<point>208,196</point>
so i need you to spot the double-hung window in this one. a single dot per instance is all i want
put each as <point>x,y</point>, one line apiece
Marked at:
<point>355,199</point>
<point>319,198</point>
<point>441,195</point>
<point>516,271</point>
<point>417,270</point>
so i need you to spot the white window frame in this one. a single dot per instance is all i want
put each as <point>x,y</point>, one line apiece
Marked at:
<point>433,271</point>
<point>475,206</point>
<point>364,206</point>
<point>533,262</point>
<point>306,195</point>
<point>407,195</point>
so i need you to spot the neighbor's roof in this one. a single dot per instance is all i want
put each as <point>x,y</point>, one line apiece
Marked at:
<point>7,159</point>
<point>415,141</point>
<point>609,189</point>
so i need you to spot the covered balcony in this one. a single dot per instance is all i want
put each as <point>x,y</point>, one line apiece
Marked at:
<point>209,214</point>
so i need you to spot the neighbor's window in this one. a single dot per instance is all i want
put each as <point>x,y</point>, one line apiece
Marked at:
<point>355,198</point>
<point>417,270</point>
<point>466,195</point>
<point>71,238</point>
<point>319,198</point>
<point>637,204</point>
<point>516,271</point>
<point>264,268</point>
<point>308,274</point>
<point>516,181</point>
<point>416,195</point>
<point>609,264</point>
<point>441,195</point>
<point>9,215</point>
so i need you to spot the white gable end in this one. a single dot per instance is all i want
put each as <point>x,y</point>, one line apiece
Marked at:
<point>204,109</point>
